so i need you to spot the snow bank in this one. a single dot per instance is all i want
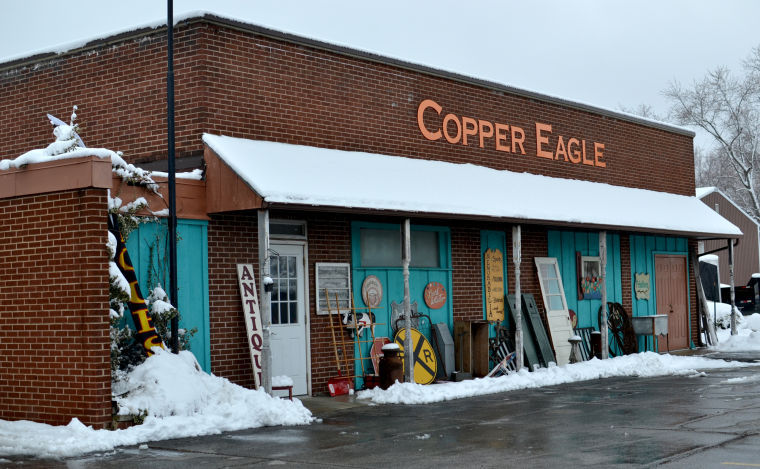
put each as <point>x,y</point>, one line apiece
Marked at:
<point>647,364</point>
<point>180,401</point>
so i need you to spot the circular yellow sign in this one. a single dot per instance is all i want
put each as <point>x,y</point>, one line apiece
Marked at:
<point>425,363</point>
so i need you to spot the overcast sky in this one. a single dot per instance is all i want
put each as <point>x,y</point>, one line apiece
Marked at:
<point>603,52</point>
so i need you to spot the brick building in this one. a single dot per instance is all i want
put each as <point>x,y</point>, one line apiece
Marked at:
<point>296,114</point>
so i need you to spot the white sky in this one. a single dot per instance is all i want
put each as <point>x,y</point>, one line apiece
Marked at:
<point>602,52</point>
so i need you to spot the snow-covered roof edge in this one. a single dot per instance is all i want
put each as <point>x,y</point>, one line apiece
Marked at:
<point>192,16</point>
<point>264,166</point>
<point>705,191</point>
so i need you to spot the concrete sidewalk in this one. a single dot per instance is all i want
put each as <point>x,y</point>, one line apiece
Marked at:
<point>701,421</point>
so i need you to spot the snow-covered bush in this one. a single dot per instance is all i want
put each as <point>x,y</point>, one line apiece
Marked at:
<point>722,313</point>
<point>162,313</point>
<point>125,352</point>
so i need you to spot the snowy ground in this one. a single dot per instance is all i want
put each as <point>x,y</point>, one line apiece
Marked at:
<point>181,400</point>
<point>646,364</point>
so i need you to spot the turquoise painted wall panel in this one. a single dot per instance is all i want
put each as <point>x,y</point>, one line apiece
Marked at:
<point>643,250</point>
<point>392,280</point>
<point>563,245</point>
<point>147,247</point>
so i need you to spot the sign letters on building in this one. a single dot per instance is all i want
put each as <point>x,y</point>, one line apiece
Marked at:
<point>463,130</point>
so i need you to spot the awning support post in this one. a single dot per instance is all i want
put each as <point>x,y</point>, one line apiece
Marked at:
<point>406,258</point>
<point>603,274</point>
<point>731,278</point>
<point>266,304</point>
<point>517,259</point>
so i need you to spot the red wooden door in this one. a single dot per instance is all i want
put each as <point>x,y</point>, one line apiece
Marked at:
<point>672,299</point>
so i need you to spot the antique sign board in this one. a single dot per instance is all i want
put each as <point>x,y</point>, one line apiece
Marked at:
<point>252,315</point>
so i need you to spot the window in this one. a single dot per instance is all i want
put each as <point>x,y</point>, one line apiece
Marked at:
<point>288,229</point>
<point>336,279</point>
<point>382,248</point>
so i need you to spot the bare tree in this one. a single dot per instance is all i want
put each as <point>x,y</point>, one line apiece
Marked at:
<point>727,108</point>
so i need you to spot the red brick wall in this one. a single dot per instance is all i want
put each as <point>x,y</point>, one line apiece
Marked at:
<point>54,341</point>
<point>232,240</point>
<point>625,273</point>
<point>467,275</point>
<point>693,298</point>
<point>329,241</point>
<point>235,83</point>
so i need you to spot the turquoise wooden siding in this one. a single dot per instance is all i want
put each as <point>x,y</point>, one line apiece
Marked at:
<point>149,239</point>
<point>643,250</point>
<point>393,283</point>
<point>563,245</point>
<point>493,240</point>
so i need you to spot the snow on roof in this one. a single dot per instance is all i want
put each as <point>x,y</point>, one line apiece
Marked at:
<point>302,175</point>
<point>710,259</point>
<point>703,191</point>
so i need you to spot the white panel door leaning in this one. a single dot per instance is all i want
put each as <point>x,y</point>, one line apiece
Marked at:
<point>555,304</point>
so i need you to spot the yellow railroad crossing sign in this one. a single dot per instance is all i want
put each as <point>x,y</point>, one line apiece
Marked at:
<point>425,363</point>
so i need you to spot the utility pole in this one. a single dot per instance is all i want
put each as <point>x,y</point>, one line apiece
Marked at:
<point>173,290</point>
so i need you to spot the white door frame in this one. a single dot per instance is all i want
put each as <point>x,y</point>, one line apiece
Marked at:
<point>307,305</point>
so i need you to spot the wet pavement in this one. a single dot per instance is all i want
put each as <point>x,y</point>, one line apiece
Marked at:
<point>694,422</point>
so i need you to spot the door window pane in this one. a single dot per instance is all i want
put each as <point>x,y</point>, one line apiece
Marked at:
<point>425,249</point>
<point>275,312</point>
<point>555,303</point>
<point>285,292</point>
<point>380,248</point>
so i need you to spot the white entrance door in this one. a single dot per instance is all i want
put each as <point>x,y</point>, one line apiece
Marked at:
<point>555,303</point>
<point>288,333</point>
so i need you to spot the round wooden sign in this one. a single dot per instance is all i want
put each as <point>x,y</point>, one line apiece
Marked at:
<point>425,362</point>
<point>372,291</point>
<point>435,295</point>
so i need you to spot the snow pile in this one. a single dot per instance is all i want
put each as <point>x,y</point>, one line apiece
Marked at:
<point>647,364</point>
<point>179,400</point>
<point>747,338</point>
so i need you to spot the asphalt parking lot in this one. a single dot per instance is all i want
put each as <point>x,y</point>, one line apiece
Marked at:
<point>700,421</point>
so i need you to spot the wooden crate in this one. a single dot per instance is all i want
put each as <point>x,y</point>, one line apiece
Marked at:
<point>471,347</point>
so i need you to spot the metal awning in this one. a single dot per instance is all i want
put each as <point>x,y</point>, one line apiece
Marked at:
<point>302,177</point>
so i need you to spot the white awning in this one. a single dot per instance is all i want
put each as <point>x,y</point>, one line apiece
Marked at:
<point>309,176</point>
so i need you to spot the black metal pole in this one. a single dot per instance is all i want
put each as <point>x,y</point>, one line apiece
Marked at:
<point>174,298</point>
